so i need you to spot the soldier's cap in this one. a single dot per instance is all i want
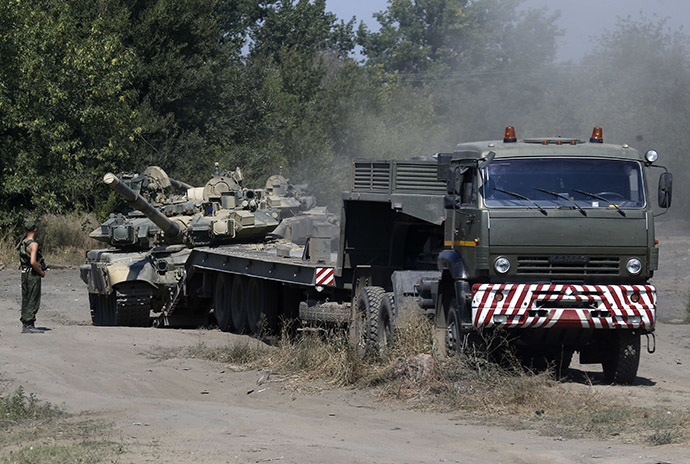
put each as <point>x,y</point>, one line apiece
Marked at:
<point>30,223</point>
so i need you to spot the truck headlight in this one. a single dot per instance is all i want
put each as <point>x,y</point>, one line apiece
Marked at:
<point>651,156</point>
<point>634,266</point>
<point>502,265</point>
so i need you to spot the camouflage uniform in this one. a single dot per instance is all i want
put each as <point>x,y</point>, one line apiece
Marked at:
<point>31,284</point>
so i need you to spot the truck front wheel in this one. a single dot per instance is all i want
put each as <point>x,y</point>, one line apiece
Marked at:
<point>621,368</point>
<point>447,335</point>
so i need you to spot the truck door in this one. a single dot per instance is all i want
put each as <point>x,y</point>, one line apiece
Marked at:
<point>463,231</point>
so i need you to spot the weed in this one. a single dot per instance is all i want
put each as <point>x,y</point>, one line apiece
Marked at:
<point>408,372</point>
<point>19,408</point>
<point>662,437</point>
<point>36,431</point>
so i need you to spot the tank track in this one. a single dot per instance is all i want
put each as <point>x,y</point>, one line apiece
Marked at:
<point>133,306</point>
<point>129,305</point>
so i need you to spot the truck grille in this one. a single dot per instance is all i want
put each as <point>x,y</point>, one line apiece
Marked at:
<point>596,265</point>
<point>397,177</point>
<point>372,177</point>
<point>418,178</point>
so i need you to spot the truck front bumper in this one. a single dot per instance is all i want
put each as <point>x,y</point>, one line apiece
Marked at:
<point>564,306</point>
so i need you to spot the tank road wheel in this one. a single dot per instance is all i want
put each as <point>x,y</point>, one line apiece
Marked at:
<point>238,312</point>
<point>621,368</point>
<point>222,298</point>
<point>363,328</point>
<point>261,305</point>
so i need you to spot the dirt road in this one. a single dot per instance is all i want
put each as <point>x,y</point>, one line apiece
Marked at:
<point>194,411</point>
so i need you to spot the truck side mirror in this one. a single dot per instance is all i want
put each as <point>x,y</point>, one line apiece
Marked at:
<point>665,189</point>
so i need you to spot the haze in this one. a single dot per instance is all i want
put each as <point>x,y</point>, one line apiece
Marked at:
<point>581,20</point>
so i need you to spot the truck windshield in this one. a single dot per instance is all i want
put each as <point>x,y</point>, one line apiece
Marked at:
<point>564,183</point>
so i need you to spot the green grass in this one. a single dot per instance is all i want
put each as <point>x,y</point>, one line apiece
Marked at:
<point>38,432</point>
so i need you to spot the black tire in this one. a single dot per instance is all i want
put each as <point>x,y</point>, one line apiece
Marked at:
<point>622,367</point>
<point>290,298</point>
<point>260,306</point>
<point>360,330</point>
<point>222,297</point>
<point>453,339</point>
<point>447,335</point>
<point>237,305</point>
<point>381,323</point>
<point>555,357</point>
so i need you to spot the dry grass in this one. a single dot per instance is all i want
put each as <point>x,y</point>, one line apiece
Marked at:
<point>63,240</point>
<point>480,389</point>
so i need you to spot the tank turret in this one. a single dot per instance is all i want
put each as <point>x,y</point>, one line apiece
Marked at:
<point>221,212</point>
<point>173,230</point>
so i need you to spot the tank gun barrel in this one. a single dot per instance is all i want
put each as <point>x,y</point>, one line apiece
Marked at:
<point>178,184</point>
<point>171,229</point>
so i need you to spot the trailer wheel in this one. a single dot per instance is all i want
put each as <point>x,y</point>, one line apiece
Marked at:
<point>238,312</point>
<point>222,296</point>
<point>622,367</point>
<point>362,326</point>
<point>260,306</point>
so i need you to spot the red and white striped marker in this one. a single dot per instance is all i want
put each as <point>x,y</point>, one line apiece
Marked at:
<point>325,276</point>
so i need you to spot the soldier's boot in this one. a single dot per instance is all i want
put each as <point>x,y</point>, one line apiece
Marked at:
<point>30,329</point>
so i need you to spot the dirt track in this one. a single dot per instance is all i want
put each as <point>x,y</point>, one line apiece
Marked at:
<point>194,411</point>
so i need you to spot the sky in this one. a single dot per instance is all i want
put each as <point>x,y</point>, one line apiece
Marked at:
<point>581,19</point>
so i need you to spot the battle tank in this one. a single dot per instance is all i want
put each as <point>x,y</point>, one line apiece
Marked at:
<point>300,217</point>
<point>149,245</point>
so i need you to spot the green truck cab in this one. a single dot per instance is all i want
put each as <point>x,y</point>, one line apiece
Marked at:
<point>551,240</point>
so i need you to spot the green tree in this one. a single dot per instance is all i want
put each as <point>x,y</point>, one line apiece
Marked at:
<point>64,101</point>
<point>297,53</point>
<point>434,37</point>
<point>635,84</point>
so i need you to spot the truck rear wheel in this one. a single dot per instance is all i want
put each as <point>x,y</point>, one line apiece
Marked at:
<point>261,305</point>
<point>238,308</point>
<point>363,328</point>
<point>222,298</point>
<point>622,367</point>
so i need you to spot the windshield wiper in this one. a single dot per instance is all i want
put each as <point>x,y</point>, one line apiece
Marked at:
<point>558,195</point>
<point>522,197</point>
<point>599,197</point>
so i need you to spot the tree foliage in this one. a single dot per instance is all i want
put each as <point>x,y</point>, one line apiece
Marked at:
<point>88,86</point>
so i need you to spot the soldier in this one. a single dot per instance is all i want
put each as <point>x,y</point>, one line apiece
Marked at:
<point>33,270</point>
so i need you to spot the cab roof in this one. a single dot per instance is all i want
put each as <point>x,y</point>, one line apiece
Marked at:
<point>549,147</point>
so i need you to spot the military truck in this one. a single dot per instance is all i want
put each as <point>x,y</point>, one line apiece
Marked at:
<point>549,240</point>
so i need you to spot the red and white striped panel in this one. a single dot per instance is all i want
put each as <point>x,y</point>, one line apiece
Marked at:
<point>576,306</point>
<point>324,276</point>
